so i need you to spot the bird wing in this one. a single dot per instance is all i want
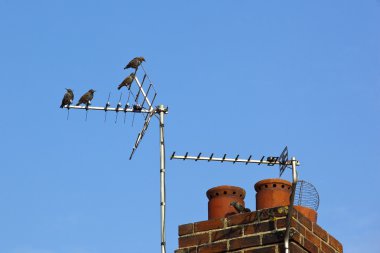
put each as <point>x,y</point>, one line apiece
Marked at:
<point>123,83</point>
<point>83,98</point>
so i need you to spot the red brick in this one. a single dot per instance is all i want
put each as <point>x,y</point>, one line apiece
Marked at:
<point>280,211</point>
<point>335,244</point>
<point>320,232</point>
<point>264,214</point>
<point>297,226</point>
<point>280,223</point>
<point>213,248</point>
<point>326,248</point>
<point>305,221</point>
<point>295,213</point>
<point>244,242</point>
<point>297,237</point>
<point>259,227</point>
<point>228,233</point>
<point>186,229</point>
<point>208,225</point>
<point>242,218</point>
<point>271,213</point>
<point>193,240</point>
<point>187,250</point>
<point>272,238</point>
<point>313,238</point>
<point>270,249</point>
<point>309,246</point>
<point>293,248</point>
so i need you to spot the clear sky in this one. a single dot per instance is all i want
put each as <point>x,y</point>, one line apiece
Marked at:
<point>239,77</point>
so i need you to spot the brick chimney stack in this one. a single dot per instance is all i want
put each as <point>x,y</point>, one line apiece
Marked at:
<point>261,231</point>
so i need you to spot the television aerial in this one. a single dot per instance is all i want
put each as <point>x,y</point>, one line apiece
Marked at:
<point>143,103</point>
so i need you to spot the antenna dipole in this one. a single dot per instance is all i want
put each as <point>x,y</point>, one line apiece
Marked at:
<point>270,160</point>
<point>102,108</point>
<point>281,160</point>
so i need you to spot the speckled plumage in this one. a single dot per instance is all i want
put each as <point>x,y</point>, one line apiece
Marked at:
<point>87,97</point>
<point>135,63</point>
<point>67,98</point>
<point>127,81</point>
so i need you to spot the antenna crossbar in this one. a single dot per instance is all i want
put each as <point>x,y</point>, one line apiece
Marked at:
<point>232,160</point>
<point>107,108</point>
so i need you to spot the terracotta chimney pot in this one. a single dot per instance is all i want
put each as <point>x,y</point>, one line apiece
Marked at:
<point>220,198</point>
<point>272,192</point>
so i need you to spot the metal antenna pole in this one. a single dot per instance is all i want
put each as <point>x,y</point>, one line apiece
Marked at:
<point>162,110</point>
<point>290,210</point>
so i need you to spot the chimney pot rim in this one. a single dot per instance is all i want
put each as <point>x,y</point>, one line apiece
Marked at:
<point>235,189</point>
<point>272,181</point>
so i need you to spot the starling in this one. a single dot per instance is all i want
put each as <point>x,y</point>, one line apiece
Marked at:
<point>239,207</point>
<point>86,98</point>
<point>127,81</point>
<point>67,98</point>
<point>135,63</point>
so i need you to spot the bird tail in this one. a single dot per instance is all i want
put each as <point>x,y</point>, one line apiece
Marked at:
<point>61,106</point>
<point>119,87</point>
<point>78,104</point>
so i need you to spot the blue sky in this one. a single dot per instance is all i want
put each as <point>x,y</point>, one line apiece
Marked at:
<point>239,77</point>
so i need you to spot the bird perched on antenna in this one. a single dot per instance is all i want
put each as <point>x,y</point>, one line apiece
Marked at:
<point>135,63</point>
<point>86,98</point>
<point>239,207</point>
<point>127,81</point>
<point>67,98</point>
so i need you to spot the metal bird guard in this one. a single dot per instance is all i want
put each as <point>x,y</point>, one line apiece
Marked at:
<point>142,103</point>
<point>306,195</point>
<point>281,160</point>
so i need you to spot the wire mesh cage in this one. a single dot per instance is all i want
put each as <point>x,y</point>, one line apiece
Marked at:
<point>306,195</point>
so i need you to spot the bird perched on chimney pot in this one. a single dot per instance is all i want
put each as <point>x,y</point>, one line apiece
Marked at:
<point>135,63</point>
<point>239,207</point>
<point>67,98</point>
<point>127,81</point>
<point>86,98</point>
